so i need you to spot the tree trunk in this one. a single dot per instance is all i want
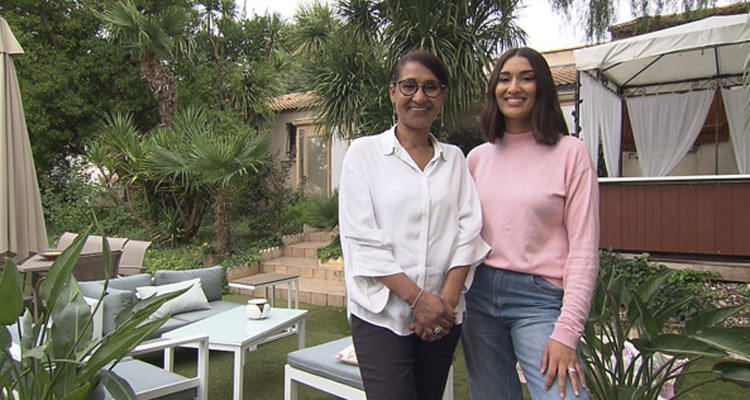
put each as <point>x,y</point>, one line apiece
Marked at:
<point>161,82</point>
<point>220,209</point>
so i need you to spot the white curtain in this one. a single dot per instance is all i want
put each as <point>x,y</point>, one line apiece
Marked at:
<point>738,112</point>
<point>589,118</point>
<point>665,126</point>
<point>601,114</point>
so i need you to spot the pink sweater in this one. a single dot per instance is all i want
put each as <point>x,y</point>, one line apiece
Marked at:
<point>540,207</point>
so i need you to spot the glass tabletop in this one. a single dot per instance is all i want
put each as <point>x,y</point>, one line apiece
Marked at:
<point>234,328</point>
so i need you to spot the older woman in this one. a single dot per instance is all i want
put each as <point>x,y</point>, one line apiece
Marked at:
<point>409,222</point>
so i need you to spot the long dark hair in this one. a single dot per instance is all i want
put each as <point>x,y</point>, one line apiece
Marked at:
<point>547,119</point>
<point>424,57</point>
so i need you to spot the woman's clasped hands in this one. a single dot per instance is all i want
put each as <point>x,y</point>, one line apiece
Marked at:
<point>434,317</point>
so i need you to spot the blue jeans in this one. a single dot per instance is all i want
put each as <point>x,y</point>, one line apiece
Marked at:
<point>510,317</point>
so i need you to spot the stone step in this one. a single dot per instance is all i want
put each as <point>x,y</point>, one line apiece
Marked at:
<point>304,267</point>
<point>325,237</point>
<point>304,249</point>
<point>311,291</point>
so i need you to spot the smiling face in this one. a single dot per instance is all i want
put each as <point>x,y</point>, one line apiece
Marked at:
<point>415,112</point>
<point>515,93</point>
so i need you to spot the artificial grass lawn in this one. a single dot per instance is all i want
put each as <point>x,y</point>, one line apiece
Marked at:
<point>264,371</point>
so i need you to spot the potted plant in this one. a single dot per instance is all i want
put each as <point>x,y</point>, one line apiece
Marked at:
<point>628,353</point>
<point>58,357</point>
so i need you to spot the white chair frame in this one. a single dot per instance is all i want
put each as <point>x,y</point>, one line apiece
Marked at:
<point>293,376</point>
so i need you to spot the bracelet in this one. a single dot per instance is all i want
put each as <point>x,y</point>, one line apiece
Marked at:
<point>416,299</point>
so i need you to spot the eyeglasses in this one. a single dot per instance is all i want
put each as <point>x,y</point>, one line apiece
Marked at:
<point>409,87</point>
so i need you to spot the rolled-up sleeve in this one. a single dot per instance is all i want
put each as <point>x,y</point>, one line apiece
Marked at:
<point>367,248</point>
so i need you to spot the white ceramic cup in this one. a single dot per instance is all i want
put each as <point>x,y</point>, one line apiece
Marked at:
<point>257,308</point>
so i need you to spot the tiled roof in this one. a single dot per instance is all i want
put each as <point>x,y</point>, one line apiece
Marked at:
<point>564,75</point>
<point>292,101</point>
<point>653,23</point>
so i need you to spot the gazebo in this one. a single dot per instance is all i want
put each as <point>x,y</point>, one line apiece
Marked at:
<point>657,90</point>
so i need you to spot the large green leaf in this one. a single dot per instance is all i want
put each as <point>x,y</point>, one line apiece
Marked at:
<point>115,350</point>
<point>670,310</point>
<point>61,270</point>
<point>732,371</point>
<point>650,288</point>
<point>11,294</point>
<point>725,339</point>
<point>116,386</point>
<point>683,345</point>
<point>72,328</point>
<point>712,318</point>
<point>5,338</point>
<point>82,392</point>
<point>647,322</point>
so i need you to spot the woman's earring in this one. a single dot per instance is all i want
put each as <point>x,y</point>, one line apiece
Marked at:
<point>442,119</point>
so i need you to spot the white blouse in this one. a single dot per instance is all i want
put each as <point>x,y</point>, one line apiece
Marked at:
<point>394,218</point>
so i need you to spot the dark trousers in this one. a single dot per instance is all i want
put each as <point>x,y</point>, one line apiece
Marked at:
<point>397,367</point>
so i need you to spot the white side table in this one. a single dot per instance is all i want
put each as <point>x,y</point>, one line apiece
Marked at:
<point>270,280</point>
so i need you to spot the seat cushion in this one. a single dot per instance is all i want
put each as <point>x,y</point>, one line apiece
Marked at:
<point>321,360</point>
<point>144,376</point>
<point>212,279</point>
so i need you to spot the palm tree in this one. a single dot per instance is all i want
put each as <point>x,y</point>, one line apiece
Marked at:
<point>212,159</point>
<point>154,39</point>
<point>349,69</point>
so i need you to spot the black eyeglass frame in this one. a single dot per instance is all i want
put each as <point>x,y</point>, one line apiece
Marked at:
<point>419,85</point>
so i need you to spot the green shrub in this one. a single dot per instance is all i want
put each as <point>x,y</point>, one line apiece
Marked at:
<point>318,211</point>
<point>72,202</point>
<point>332,251</point>
<point>679,282</point>
<point>263,202</point>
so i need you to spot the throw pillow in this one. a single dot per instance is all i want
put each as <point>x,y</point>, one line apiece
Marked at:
<point>347,355</point>
<point>193,299</point>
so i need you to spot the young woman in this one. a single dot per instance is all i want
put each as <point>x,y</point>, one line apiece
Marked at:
<point>538,189</point>
<point>409,220</point>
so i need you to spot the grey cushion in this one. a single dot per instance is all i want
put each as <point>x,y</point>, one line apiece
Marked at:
<point>92,289</point>
<point>130,282</point>
<point>114,301</point>
<point>122,283</point>
<point>321,360</point>
<point>142,376</point>
<point>217,306</point>
<point>212,279</point>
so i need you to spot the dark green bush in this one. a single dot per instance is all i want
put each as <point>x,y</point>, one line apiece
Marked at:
<point>262,203</point>
<point>679,282</point>
<point>332,251</point>
<point>317,211</point>
<point>72,202</point>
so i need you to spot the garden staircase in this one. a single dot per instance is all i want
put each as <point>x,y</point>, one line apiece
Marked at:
<point>319,283</point>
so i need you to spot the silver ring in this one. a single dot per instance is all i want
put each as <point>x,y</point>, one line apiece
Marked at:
<point>437,330</point>
<point>572,371</point>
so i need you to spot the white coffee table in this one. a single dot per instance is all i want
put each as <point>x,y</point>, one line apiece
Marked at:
<point>233,331</point>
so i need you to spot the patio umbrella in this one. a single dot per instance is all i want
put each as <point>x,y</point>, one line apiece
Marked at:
<point>22,229</point>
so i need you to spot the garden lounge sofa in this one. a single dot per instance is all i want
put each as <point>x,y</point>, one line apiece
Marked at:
<point>185,309</point>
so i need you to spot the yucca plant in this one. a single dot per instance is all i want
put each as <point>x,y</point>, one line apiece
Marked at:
<point>59,358</point>
<point>621,316</point>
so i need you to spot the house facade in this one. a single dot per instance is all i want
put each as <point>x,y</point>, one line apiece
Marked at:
<point>299,139</point>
